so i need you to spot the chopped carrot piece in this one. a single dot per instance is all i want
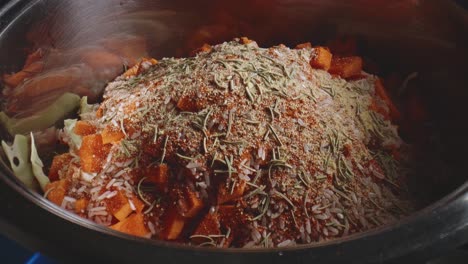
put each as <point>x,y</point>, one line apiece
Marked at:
<point>92,153</point>
<point>306,45</point>
<point>159,175</point>
<point>111,134</point>
<point>346,67</point>
<point>225,195</point>
<point>80,205</point>
<point>84,128</point>
<point>56,191</point>
<point>133,225</point>
<point>321,58</point>
<point>173,224</point>
<point>208,226</point>
<point>58,163</point>
<point>382,93</point>
<point>119,206</point>
<point>29,71</point>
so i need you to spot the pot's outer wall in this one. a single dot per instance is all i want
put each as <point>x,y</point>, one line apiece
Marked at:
<point>427,36</point>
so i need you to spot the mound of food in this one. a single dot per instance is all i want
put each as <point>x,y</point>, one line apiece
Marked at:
<point>238,146</point>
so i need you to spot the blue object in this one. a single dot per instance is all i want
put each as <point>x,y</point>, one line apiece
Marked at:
<point>11,252</point>
<point>37,258</point>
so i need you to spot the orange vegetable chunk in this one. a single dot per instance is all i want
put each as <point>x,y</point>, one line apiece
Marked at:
<point>306,45</point>
<point>84,128</point>
<point>92,153</point>
<point>208,226</point>
<point>159,175</point>
<point>225,195</point>
<point>245,40</point>
<point>111,134</point>
<point>321,58</point>
<point>194,203</point>
<point>56,191</point>
<point>80,205</point>
<point>173,224</point>
<point>58,163</point>
<point>140,67</point>
<point>119,206</point>
<point>346,67</point>
<point>133,225</point>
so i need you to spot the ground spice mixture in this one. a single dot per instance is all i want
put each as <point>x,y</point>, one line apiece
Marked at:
<point>237,146</point>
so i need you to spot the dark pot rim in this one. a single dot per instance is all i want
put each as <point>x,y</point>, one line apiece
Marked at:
<point>425,229</point>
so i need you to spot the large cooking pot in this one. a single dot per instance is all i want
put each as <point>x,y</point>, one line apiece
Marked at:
<point>429,37</point>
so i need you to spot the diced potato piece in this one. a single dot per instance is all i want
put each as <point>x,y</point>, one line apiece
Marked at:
<point>56,191</point>
<point>133,225</point>
<point>80,205</point>
<point>346,67</point>
<point>84,128</point>
<point>140,67</point>
<point>382,93</point>
<point>29,71</point>
<point>92,153</point>
<point>321,58</point>
<point>306,45</point>
<point>188,104</point>
<point>225,195</point>
<point>173,224</point>
<point>58,163</point>
<point>159,175</point>
<point>208,226</point>
<point>110,134</point>
<point>119,206</point>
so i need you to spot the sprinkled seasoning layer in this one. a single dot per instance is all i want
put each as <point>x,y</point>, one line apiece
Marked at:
<point>238,146</point>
